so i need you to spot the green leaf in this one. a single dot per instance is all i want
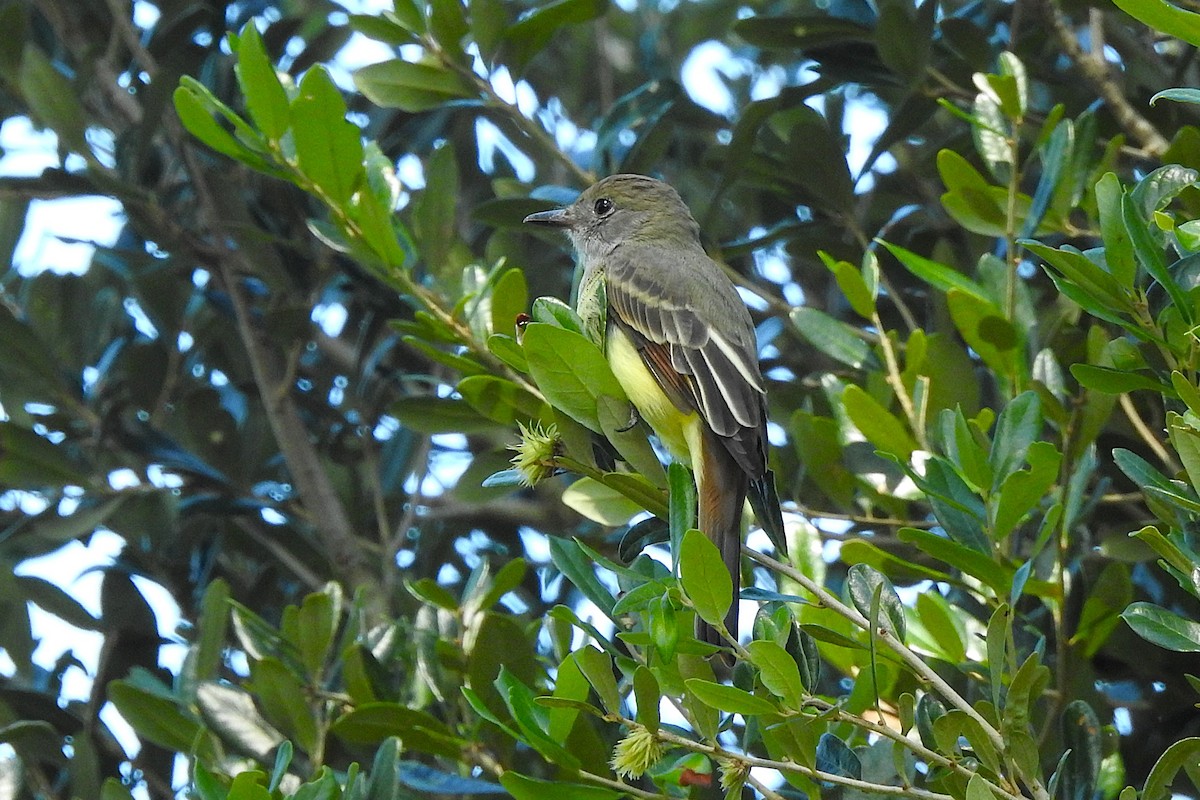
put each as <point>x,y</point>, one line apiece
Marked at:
<point>704,578</point>
<point>114,790</point>
<point>956,506</point>
<point>441,415</point>
<point>1150,255</point>
<point>448,24</point>
<point>648,696</point>
<point>525,788</point>
<point>430,591</point>
<point>1024,692</point>
<point>502,400</point>
<point>1183,754</point>
<point>937,275</point>
<point>571,560</point>
<point>682,503</point>
<point>639,490</point>
<point>210,630</point>
<point>387,27</point>
<point>999,628</point>
<point>1163,627</point>
<point>977,789</point>
<point>553,311</point>
<point>835,339</point>
<point>861,584</point>
<point>597,667</point>
<point>779,672</point>
<point>1155,191</point>
<point>943,625</point>
<point>52,99</point>
<point>1019,425</point>
<point>317,624</point>
<point>985,329</point>
<point>51,530</point>
<point>328,146</point>
<point>570,371</point>
<point>505,348</point>
<point>1178,95</point>
<point>30,461</point>
<point>878,424</point>
<point>265,98</point>
<point>532,719</point>
<point>1118,248</point>
<point>970,561</point>
<point>853,286</point>
<point>510,297</point>
<point>230,713</point>
<point>435,219</point>
<point>1023,489</point>
<point>1116,381</point>
<point>729,699</point>
<point>802,647</point>
<point>155,718</point>
<point>859,551</point>
<point>411,87</point>
<point>196,116</point>
<point>835,757</point>
<point>529,36</point>
<point>282,695</point>
<point>600,502</point>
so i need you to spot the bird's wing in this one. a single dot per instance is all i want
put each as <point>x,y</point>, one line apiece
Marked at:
<point>696,338</point>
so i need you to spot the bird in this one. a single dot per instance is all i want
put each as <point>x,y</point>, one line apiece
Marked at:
<point>680,342</point>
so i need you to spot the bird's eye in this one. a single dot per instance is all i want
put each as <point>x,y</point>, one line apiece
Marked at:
<point>603,206</point>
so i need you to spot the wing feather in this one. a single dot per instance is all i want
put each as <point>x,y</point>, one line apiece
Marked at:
<point>697,340</point>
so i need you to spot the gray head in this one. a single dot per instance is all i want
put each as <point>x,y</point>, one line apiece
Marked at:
<point>623,208</point>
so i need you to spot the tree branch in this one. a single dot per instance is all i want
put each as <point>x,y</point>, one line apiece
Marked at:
<point>1095,69</point>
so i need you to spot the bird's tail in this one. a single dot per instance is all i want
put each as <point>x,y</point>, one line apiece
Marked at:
<point>721,487</point>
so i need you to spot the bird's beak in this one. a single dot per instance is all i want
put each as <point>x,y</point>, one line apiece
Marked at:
<point>554,218</point>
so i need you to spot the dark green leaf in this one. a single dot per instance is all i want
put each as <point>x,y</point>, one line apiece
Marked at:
<point>835,757</point>
<point>526,39</point>
<point>411,87</point>
<point>525,788</point>
<point>574,563</point>
<point>1163,627</point>
<point>861,584</point>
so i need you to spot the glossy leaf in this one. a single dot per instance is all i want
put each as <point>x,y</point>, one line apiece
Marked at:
<point>704,579</point>
<point>779,672</point>
<point>571,372</point>
<point>1163,627</point>
<point>729,699</point>
<point>862,582</point>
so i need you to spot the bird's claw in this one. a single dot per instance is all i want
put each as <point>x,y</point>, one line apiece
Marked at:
<point>634,419</point>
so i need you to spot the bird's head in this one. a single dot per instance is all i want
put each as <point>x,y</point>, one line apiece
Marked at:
<point>623,208</point>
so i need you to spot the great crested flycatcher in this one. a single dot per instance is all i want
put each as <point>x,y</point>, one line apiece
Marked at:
<point>680,342</point>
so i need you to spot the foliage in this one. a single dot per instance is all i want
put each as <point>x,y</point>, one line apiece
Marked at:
<point>973,335</point>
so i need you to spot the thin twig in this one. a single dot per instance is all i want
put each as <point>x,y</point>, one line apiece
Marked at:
<point>1153,442</point>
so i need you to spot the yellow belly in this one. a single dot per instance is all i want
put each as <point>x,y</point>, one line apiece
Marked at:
<point>680,432</point>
